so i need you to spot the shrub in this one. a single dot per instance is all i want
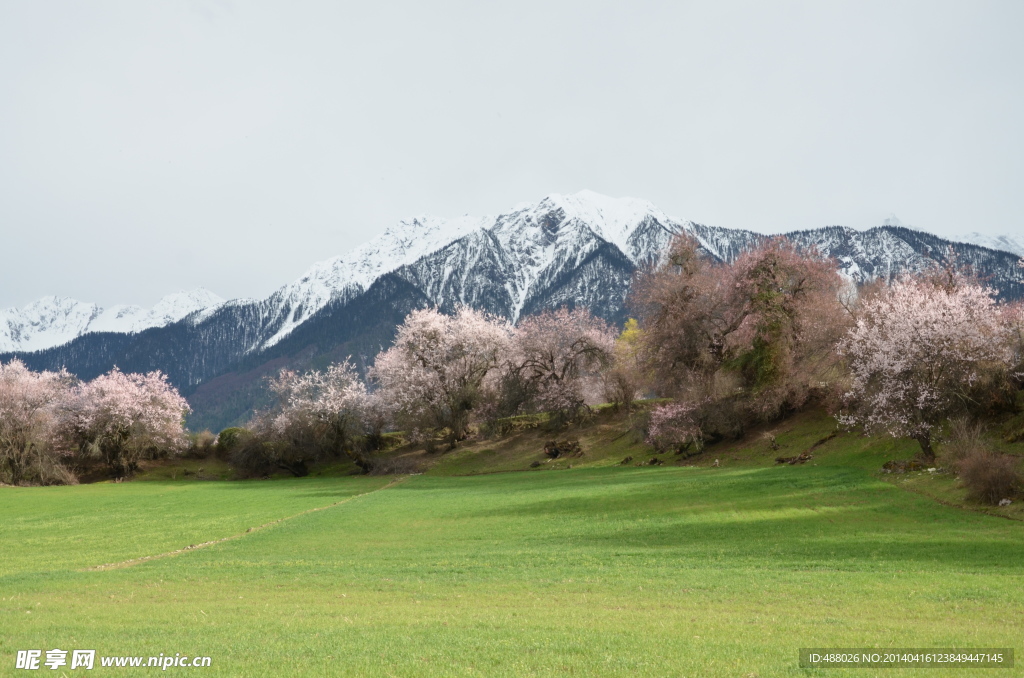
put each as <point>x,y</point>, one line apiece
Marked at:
<point>965,437</point>
<point>251,455</point>
<point>1013,430</point>
<point>989,476</point>
<point>506,426</point>
<point>201,445</point>
<point>229,439</point>
<point>48,471</point>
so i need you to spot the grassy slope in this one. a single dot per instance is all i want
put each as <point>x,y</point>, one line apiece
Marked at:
<point>598,570</point>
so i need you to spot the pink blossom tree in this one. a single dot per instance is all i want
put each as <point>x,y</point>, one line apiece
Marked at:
<point>1013,319</point>
<point>675,426</point>
<point>767,323</point>
<point>122,418</point>
<point>436,373</point>
<point>317,414</point>
<point>916,352</point>
<point>555,351</point>
<point>28,424</point>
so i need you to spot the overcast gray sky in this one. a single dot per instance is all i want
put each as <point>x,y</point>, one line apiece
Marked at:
<point>147,147</point>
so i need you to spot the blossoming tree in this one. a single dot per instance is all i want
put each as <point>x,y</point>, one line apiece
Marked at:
<point>552,353</point>
<point>915,353</point>
<point>434,375</point>
<point>318,413</point>
<point>122,418</point>
<point>28,404</point>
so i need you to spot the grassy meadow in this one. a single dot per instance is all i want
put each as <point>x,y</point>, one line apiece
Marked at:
<point>484,566</point>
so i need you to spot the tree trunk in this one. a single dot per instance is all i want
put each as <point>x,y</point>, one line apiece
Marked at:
<point>361,460</point>
<point>925,441</point>
<point>296,468</point>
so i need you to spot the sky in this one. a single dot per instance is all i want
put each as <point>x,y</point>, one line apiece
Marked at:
<point>151,147</point>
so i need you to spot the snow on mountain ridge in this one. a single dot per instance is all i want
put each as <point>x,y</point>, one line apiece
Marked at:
<point>171,308</point>
<point>519,230</point>
<point>354,271</point>
<point>613,219</point>
<point>1006,243</point>
<point>52,321</point>
<point>541,241</point>
<point>526,251</point>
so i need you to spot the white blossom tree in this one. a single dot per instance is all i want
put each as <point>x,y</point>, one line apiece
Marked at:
<point>915,354</point>
<point>28,424</point>
<point>675,426</point>
<point>318,413</point>
<point>122,418</point>
<point>555,351</point>
<point>435,374</point>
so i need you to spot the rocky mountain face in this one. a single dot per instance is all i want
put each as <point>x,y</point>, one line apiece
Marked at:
<point>566,250</point>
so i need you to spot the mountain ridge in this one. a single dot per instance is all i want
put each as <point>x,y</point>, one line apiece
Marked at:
<point>578,250</point>
<point>636,227</point>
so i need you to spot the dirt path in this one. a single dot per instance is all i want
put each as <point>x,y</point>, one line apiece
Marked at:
<point>193,547</point>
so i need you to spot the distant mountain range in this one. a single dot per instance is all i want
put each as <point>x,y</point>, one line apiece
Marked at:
<point>52,321</point>
<point>575,250</point>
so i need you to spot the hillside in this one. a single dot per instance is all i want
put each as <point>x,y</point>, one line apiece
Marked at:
<point>610,438</point>
<point>681,569</point>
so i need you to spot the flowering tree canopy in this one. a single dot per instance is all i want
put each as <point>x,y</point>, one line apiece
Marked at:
<point>120,418</point>
<point>792,317</point>
<point>915,353</point>
<point>434,374</point>
<point>317,413</point>
<point>741,341</point>
<point>771,318</point>
<point>28,408</point>
<point>554,350</point>
<point>675,425</point>
<point>336,394</point>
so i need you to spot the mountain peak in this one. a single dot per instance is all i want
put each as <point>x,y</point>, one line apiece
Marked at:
<point>517,253</point>
<point>51,320</point>
<point>614,219</point>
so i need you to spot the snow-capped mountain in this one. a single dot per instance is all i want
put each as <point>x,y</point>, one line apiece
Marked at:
<point>52,321</point>
<point>505,259</point>
<point>349,274</point>
<point>576,250</point>
<point>504,263</point>
<point>1006,243</point>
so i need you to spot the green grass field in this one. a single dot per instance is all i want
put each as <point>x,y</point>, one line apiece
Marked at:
<point>599,570</point>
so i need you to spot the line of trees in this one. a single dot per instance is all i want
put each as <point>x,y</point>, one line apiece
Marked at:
<point>53,426</point>
<point>739,343</point>
<point>442,375</point>
<point>730,345</point>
